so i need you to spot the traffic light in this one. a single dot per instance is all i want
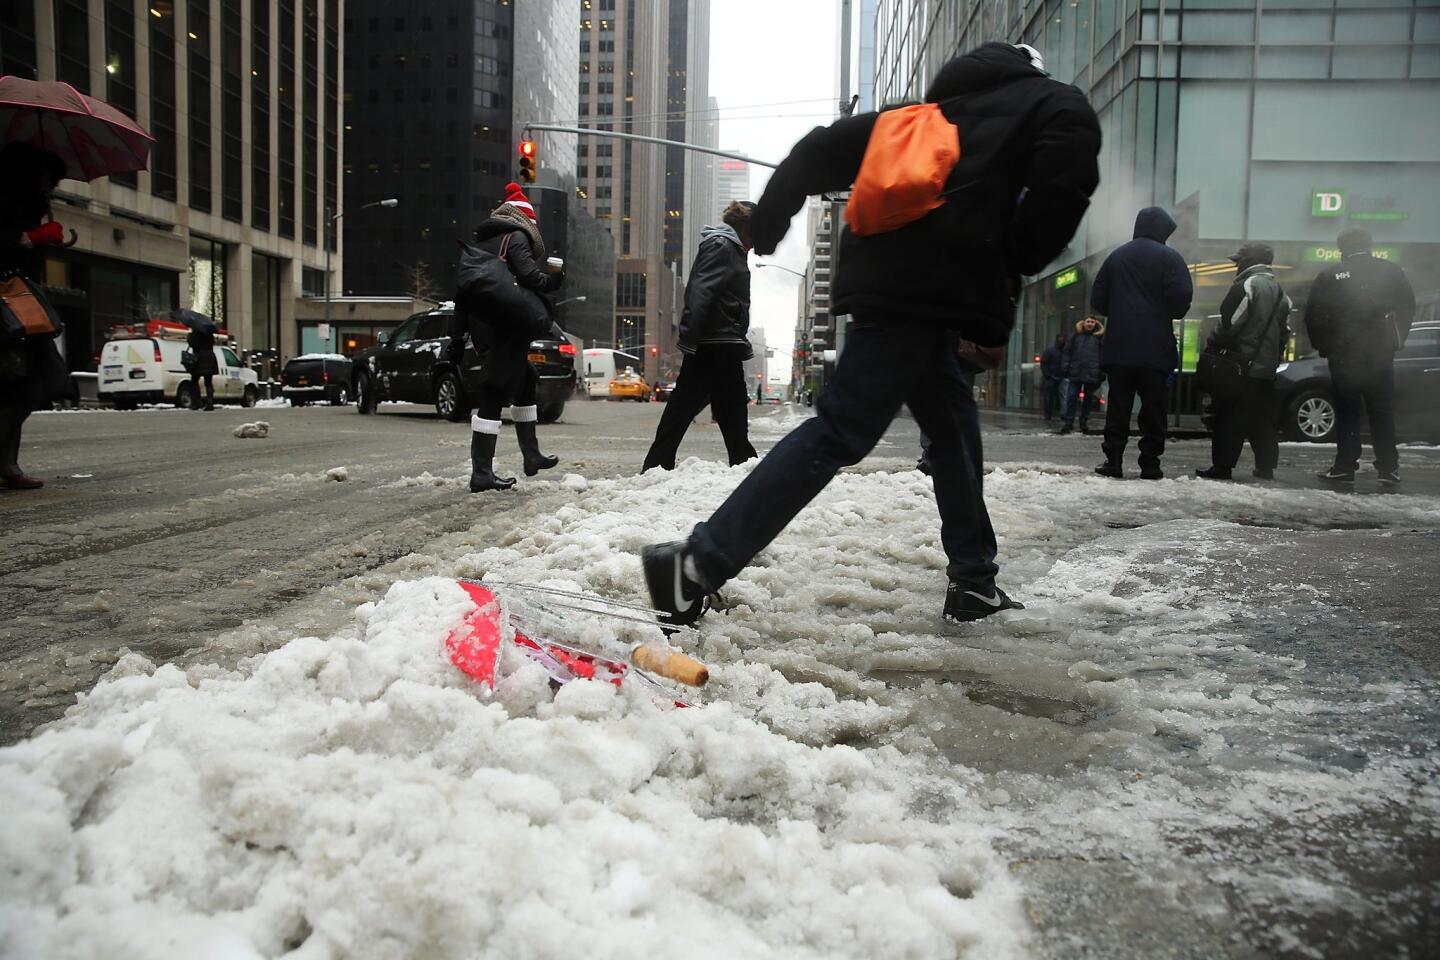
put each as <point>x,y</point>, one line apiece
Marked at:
<point>527,160</point>
<point>654,351</point>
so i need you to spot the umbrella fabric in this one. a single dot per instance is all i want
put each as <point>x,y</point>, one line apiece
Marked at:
<point>194,320</point>
<point>92,137</point>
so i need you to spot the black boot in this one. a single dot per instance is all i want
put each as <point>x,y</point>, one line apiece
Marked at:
<point>482,459</point>
<point>535,461</point>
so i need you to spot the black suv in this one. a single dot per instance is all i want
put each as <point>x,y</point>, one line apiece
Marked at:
<point>317,377</point>
<point>1307,409</point>
<point>406,365</point>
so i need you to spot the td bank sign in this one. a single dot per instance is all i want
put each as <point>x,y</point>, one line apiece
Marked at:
<point>1333,203</point>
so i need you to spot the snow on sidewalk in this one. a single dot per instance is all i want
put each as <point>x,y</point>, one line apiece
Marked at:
<point>352,796</point>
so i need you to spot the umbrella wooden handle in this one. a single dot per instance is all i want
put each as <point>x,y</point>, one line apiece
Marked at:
<point>74,237</point>
<point>670,663</point>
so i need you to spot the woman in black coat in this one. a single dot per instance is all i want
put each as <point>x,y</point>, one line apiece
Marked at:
<point>202,365</point>
<point>32,374</point>
<point>505,371</point>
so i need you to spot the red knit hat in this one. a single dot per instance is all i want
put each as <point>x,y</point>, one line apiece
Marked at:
<point>516,197</point>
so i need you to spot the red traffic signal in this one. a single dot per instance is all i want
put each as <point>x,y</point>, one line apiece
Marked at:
<point>654,351</point>
<point>528,153</point>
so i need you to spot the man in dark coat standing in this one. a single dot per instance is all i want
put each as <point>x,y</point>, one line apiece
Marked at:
<point>1052,372</point>
<point>1083,373</point>
<point>1023,181</point>
<point>1253,331</point>
<point>713,328</point>
<point>1358,316</point>
<point>1141,287</point>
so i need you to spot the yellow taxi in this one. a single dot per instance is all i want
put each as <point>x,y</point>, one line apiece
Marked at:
<point>630,386</point>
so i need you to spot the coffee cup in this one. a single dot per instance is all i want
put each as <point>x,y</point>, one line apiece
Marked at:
<point>554,264</point>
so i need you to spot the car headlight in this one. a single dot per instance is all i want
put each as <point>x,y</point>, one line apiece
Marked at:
<point>1282,368</point>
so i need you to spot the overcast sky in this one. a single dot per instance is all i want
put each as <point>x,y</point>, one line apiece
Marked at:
<point>773,53</point>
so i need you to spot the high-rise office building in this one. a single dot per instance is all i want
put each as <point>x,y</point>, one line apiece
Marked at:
<point>626,85</point>
<point>1277,122</point>
<point>732,182</point>
<point>242,97</point>
<point>439,95</point>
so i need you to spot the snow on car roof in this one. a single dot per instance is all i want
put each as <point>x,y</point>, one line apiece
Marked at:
<point>321,356</point>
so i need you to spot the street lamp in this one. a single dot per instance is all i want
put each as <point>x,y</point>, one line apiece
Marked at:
<point>331,220</point>
<point>776,266</point>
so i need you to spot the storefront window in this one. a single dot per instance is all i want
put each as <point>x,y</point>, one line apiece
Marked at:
<point>207,278</point>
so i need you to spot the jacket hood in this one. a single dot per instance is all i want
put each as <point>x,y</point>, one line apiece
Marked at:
<point>724,231</point>
<point>1099,330</point>
<point>987,65</point>
<point>1153,223</point>
<point>1255,270</point>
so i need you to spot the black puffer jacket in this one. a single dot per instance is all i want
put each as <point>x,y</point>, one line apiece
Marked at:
<point>717,295</point>
<point>528,271</point>
<point>1360,311</point>
<point>1028,147</point>
<point>1141,287</point>
<point>1082,355</point>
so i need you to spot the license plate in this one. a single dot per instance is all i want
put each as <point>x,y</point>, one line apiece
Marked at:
<point>537,358</point>
<point>302,382</point>
<point>137,374</point>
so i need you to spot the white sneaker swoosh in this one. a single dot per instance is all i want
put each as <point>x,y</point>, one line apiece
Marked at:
<point>680,605</point>
<point>991,601</point>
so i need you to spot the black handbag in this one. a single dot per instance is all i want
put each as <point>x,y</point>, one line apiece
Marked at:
<point>489,292</point>
<point>1223,372</point>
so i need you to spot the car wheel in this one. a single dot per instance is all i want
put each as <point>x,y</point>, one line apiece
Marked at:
<point>298,403</point>
<point>1311,417</point>
<point>551,412</point>
<point>449,402</point>
<point>342,397</point>
<point>365,399</point>
<point>249,397</point>
<point>185,395</point>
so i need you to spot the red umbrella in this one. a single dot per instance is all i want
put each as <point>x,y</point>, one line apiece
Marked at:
<point>92,137</point>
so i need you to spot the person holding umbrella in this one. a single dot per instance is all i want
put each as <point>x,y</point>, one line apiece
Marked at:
<point>199,360</point>
<point>32,374</point>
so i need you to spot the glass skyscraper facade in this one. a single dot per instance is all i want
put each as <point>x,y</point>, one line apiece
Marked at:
<point>1282,121</point>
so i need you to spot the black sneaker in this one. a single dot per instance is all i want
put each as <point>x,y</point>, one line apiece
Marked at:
<point>1259,474</point>
<point>680,600</point>
<point>1110,469</point>
<point>1064,429</point>
<point>963,603</point>
<point>1337,476</point>
<point>1152,473</point>
<point>1213,473</point>
<point>1389,478</point>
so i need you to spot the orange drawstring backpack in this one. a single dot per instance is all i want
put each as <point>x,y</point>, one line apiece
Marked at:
<point>911,152</point>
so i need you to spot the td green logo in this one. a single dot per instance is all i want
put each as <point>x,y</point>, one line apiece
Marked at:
<point>1327,203</point>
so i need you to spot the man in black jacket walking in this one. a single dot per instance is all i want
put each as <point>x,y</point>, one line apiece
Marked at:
<point>1141,287</point>
<point>1026,170</point>
<point>1358,316</point>
<point>1082,373</point>
<point>1253,332</point>
<point>713,330</point>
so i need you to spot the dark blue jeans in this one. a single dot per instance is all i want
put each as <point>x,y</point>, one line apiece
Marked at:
<point>884,365</point>
<point>1372,385</point>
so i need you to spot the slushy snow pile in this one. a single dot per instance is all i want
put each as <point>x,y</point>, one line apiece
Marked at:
<point>355,796</point>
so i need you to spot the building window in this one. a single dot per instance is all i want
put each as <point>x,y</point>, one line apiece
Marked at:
<point>332,109</point>
<point>630,330</point>
<point>312,282</point>
<point>72,43</point>
<point>630,290</point>
<point>232,138</point>
<point>285,118</point>
<point>310,122</point>
<point>207,278</point>
<point>120,66</point>
<point>163,156</point>
<point>17,53</point>
<point>260,114</point>
<point>197,65</point>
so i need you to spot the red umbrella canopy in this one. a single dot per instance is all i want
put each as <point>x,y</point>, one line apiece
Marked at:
<point>92,137</point>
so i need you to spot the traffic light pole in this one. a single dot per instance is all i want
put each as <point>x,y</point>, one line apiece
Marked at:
<point>615,135</point>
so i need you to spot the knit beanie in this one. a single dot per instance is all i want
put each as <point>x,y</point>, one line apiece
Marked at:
<point>515,196</point>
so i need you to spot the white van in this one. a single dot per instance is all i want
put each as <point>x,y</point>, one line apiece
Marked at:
<point>141,364</point>
<point>601,366</point>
